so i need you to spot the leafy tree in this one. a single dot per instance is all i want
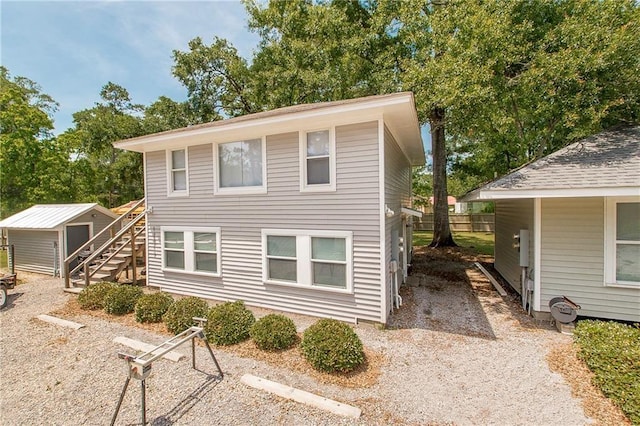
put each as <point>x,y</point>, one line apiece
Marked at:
<point>112,176</point>
<point>509,80</point>
<point>34,166</point>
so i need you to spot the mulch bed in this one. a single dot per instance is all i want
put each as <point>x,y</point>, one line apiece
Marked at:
<point>362,377</point>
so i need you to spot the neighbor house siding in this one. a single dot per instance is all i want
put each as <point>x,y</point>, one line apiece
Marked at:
<point>34,250</point>
<point>397,193</point>
<point>354,207</point>
<point>572,260</point>
<point>511,216</point>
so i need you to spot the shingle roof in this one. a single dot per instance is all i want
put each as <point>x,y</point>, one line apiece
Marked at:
<point>48,216</point>
<point>610,159</point>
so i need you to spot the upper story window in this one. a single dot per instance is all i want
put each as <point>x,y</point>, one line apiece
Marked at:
<point>317,160</point>
<point>193,250</point>
<point>178,176</point>
<point>622,261</point>
<point>241,166</point>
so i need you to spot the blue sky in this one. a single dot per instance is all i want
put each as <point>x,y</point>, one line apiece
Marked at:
<point>73,48</point>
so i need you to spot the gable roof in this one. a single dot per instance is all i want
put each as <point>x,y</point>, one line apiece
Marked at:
<point>50,216</point>
<point>606,164</point>
<point>397,110</point>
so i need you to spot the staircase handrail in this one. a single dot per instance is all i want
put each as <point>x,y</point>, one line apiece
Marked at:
<point>104,247</point>
<point>74,255</point>
<point>111,256</point>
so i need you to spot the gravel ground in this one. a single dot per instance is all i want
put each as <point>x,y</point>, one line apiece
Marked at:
<point>455,354</point>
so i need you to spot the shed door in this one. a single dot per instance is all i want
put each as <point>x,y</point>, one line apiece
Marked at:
<point>76,236</point>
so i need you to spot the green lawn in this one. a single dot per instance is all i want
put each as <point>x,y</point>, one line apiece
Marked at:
<point>481,241</point>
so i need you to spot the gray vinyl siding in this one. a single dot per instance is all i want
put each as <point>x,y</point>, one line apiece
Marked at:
<point>511,216</point>
<point>354,207</point>
<point>33,250</point>
<point>397,188</point>
<point>572,260</point>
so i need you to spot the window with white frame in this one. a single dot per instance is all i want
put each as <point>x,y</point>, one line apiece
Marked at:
<point>241,165</point>
<point>317,160</point>
<point>623,242</point>
<point>318,259</point>
<point>177,165</point>
<point>193,250</point>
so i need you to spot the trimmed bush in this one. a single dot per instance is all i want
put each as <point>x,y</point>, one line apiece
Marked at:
<point>180,315</point>
<point>92,297</point>
<point>273,332</point>
<point>151,307</point>
<point>122,299</point>
<point>332,346</point>
<point>229,323</point>
<point>612,351</point>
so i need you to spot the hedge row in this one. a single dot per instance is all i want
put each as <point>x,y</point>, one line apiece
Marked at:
<point>328,345</point>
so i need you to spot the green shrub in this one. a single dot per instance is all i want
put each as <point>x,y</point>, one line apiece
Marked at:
<point>122,299</point>
<point>332,346</point>
<point>151,307</point>
<point>612,351</point>
<point>229,323</point>
<point>180,315</point>
<point>92,297</point>
<point>273,332</point>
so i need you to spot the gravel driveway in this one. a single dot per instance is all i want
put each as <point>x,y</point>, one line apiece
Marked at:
<point>455,354</point>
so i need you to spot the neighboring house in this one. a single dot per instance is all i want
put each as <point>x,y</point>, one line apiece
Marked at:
<point>581,206</point>
<point>45,234</point>
<point>300,209</point>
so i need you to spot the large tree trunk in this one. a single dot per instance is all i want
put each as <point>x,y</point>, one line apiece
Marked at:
<point>441,231</point>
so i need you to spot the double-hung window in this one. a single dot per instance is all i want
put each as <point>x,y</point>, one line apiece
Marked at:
<point>317,160</point>
<point>193,250</point>
<point>241,166</point>
<point>316,259</point>
<point>622,242</point>
<point>177,177</point>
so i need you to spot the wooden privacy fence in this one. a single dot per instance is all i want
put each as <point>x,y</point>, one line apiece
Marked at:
<point>479,222</point>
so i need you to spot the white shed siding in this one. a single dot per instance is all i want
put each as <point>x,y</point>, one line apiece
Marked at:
<point>34,250</point>
<point>572,260</point>
<point>397,180</point>
<point>354,207</point>
<point>511,216</point>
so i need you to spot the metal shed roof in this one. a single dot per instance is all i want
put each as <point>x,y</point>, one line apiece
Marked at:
<point>50,216</point>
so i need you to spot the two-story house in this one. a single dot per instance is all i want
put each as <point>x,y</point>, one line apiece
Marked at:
<point>302,209</point>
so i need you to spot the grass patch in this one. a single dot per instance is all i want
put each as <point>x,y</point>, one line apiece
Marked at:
<point>482,242</point>
<point>612,351</point>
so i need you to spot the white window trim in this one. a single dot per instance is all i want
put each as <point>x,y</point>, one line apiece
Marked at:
<point>331,186</point>
<point>189,252</point>
<point>259,189</point>
<point>303,257</point>
<point>169,157</point>
<point>610,218</point>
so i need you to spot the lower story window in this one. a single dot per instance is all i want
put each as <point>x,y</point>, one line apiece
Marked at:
<point>194,250</point>
<point>321,259</point>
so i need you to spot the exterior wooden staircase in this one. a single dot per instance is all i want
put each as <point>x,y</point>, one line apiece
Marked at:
<point>123,251</point>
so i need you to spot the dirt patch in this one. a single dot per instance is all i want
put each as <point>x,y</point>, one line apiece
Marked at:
<point>564,360</point>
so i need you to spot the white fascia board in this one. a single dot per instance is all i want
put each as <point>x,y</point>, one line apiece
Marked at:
<point>411,212</point>
<point>506,194</point>
<point>340,114</point>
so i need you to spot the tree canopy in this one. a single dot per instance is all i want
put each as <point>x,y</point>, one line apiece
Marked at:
<point>501,83</point>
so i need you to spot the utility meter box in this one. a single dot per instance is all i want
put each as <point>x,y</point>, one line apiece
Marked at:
<point>524,247</point>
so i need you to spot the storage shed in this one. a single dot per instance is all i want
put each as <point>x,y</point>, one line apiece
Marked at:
<point>45,234</point>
